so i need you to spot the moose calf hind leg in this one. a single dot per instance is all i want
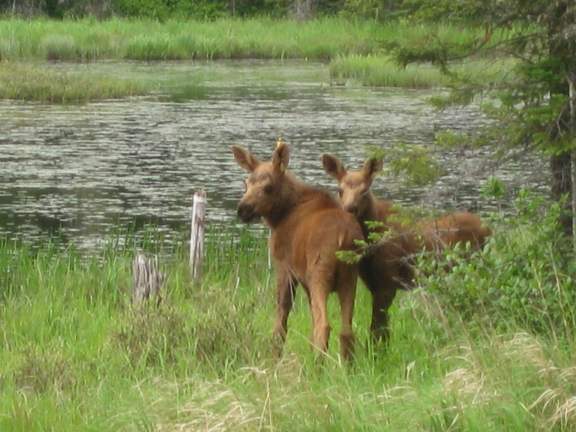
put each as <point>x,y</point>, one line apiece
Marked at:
<point>321,331</point>
<point>346,295</point>
<point>285,300</point>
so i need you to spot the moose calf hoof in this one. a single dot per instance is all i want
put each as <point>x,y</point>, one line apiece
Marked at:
<point>347,346</point>
<point>380,336</point>
<point>277,345</point>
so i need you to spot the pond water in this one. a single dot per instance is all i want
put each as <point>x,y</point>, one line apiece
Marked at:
<point>78,171</point>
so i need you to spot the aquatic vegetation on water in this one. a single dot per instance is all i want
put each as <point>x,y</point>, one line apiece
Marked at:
<point>34,83</point>
<point>355,49</point>
<point>383,71</point>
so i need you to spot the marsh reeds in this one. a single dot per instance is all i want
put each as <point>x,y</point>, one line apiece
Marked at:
<point>265,38</point>
<point>32,82</point>
<point>383,71</point>
<point>357,50</point>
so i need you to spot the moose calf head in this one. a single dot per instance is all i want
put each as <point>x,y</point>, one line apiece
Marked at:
<point>353,186</point>
<point>265,184</point>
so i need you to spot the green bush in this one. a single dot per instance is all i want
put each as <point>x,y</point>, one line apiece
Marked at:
<point>156,9</point>
<point>522,278</point>
<point>365,8</point>
<point>200,9</point>
<point>163,9</point>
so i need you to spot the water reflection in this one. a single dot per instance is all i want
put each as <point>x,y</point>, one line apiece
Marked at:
<point>75,171</point>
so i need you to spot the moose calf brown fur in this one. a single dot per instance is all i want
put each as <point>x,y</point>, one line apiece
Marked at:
<point>308,227</point>
<point>388,268</point>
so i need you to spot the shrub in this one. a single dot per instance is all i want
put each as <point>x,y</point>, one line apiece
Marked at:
<point>156,9</point>
<point>162,9</point>
<point>521,278</point>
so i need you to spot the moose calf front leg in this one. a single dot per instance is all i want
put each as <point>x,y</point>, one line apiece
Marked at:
<point>346,295</point>
<point>381,301</point>
<point>285,291</point>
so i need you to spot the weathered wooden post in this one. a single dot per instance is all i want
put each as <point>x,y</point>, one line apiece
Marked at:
<point>197,236</point>
<point>572,104</point>
<point>304,9</point>
<point>148,280</point>
<point>269,252</point>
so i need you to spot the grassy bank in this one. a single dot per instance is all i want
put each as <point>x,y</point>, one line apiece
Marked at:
<point>35,83</point>
<point>87,40</point>
<point>51,83</point>
<point>463,354</point>
<point>382,71</point>
<point>356,50</point>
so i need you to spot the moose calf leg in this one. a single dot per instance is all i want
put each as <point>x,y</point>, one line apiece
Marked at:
<point>286,289</point>
<point>381,301</point>
<point>346,295</point>
<point>321,330</point>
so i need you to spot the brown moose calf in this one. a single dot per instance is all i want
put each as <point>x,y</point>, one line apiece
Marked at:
<point>388,266</point>
<point>308,227</point>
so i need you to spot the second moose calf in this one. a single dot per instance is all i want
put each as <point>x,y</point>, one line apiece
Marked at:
<point>389,268</point>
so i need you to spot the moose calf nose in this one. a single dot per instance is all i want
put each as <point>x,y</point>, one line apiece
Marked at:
<point>245,212</point>
<point>241,210</point>
<point>351,209</point>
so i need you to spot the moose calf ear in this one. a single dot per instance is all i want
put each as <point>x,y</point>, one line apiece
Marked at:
<point>245,158</point>
<point>281,157</point>
<point>372,166</point>
<point>333,166</point>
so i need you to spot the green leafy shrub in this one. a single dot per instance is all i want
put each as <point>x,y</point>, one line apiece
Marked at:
<point>157,9</point>
<point>162,9</point>
<point>521,278</point>
<point>365,8</point>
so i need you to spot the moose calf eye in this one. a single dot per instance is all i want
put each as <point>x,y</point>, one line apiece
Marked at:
<point>268,189</point>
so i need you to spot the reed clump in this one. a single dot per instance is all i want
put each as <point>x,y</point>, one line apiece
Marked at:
<point>383,71</point>
<point>266,38</point>
<point>30,82</point>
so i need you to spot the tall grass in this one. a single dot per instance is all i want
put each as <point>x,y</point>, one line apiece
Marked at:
<point>76,356</point>
<point>356,48</point>
<point>34,83</point>
<point>383,71</point>
<point>266,38</point>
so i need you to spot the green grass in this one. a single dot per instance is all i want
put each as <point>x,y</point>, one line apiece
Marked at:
<point>35,83</point>
<point>266,38</point>
<point>50,83</point>
<point>355,48</point>
<point>382,71</point>
<point>76,356</point>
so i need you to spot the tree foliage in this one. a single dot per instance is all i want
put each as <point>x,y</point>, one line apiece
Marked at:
<point>162,9</point>
<point>533,111</point>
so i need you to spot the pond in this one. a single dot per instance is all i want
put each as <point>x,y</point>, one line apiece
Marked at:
<point>80,171</point>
